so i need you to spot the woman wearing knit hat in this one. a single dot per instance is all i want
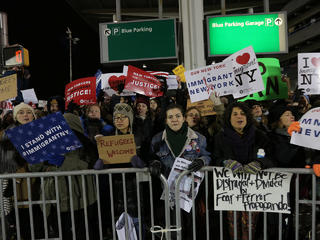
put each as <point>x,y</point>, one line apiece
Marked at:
<point>12,162</point>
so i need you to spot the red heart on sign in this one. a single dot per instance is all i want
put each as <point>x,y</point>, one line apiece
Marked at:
<point>315,61</point>
<point>243,59</point>
<point>114,81</point>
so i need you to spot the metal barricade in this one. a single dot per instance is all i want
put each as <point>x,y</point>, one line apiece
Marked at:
<point>220,233</point>
<point>104,181</point>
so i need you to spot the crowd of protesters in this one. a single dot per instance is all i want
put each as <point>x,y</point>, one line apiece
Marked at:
<point>243,136</point>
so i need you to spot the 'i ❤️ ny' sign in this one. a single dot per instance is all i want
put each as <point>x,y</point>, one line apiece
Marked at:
<point>246,71</point>
<point>308,72</point>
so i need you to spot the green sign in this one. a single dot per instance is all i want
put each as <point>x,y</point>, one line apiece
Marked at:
<point>274,87</point>
<point>266,33</point>
<point>139,40</point>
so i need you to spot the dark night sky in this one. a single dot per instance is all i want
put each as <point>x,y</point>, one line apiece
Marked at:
<point>41,28</point>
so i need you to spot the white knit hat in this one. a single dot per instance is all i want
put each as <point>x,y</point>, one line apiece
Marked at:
<point>19,107</point>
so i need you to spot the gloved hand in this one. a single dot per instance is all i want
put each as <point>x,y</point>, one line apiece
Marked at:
<point>196,165</point>
<point>155,168</point>
<point>316,169</point>
<point>137,162</point>
<point>234,165</point>
<point>253,167</point>
<point>215,99</point>
<point>98,165</point>
<point>294,127</point>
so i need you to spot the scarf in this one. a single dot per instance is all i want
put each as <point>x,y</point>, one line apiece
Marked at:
<point>242,146</point>
<point>177,139</point>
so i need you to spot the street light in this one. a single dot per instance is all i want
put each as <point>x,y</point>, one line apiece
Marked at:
<point>71,41</point>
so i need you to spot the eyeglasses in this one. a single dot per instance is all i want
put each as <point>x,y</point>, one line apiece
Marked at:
<point>120,118</point>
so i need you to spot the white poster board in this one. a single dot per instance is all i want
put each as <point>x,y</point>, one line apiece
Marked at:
<point>180,165</point>
<point>308,72</point>
<point>309,134</point>
<point>263,192</point>
<point>29,95</point>
<point>247,74</point>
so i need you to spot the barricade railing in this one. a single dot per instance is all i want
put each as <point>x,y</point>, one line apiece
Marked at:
<point>208,216</point>
<point>141,180</point>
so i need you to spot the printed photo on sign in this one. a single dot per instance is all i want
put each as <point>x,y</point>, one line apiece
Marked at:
<point>43,139</point>
<point>275,88</point>
<point>82,91</point>
<point>309,134</point>
<point>263,192</point>
<point>8,87</point>
<point>246,70</point>
<point>309,72</point>
<point>110,83</point>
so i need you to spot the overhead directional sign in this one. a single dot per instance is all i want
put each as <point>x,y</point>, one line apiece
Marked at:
<point>138,40</point>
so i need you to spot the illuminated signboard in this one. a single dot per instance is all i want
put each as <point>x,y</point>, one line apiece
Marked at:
<point>138,40</point>
<point>15,56</point>
<point>266,33</point>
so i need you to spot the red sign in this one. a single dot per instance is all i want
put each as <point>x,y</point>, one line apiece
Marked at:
<point>82,91</point>
<point>141,82</point>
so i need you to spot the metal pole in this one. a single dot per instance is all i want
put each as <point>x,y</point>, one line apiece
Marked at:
<point>118,10</point>
<point>223,7</point>
<point>160,7</point>
<point>70,52</point>
<point>266,6</point>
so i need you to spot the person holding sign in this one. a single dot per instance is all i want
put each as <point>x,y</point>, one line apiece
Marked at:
<point>244,149</point>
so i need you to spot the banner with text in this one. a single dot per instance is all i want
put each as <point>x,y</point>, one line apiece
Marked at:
<point>44,138</point>
<point>116,149</point>
<point>309,134</point>
<point>309,72</point>
<point>142,82</point>
<point>8,87</point>
<point>110,82</point>
<point>246,70</point>
<point>275,88</point>
<point>202,81</point>
<point>263,192</point>
<point>82,91</point>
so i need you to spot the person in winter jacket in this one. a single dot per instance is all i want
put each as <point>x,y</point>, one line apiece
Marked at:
<point>241,147</point>
<point>55,104</point>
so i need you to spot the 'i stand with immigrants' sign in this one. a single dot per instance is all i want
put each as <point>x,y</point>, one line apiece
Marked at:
<point>263,192</point>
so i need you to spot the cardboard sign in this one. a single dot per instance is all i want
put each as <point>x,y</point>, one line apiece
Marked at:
<point>8,87</point>
<point>275,88</point>
<point>309,72</point>
<point>82,91</point>
<point>44,138</point>
<point>309,134</point>
<point>110,82</point>
<point>247,74</point>
<point>213,78</point>
<point>116,149</point>
<point>179,71</point>
<point>206,107</point>
<point>263,192</point>
<point>142,82</point>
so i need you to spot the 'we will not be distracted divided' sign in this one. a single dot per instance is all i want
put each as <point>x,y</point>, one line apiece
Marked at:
<point>265,191</point>
<point>43,138</point>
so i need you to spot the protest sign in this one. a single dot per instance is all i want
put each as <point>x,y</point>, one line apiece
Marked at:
<point>42,103</point>
<point>82,91</point>
<point>29,96</point>
<point>185,189</point>
<point>246,70</point>
<point>116,149</point>
<point>179,71</point>
<point>142,82</point>
<point>110,82</point>
<point>275,88</point>
<point>263,192</point>
<point>206,107</point>
<point>309,134</point>
<point>8,87</point>
<point>172,82</point>
<point>216,78</point>
<point>309,72</point>
<point>44,138</point>
<point>6,105</point>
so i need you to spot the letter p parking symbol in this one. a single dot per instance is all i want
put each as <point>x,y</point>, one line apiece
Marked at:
<point>116,31</point>
<point>269,22</point>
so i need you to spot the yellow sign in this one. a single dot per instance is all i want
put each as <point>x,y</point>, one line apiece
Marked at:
<point>206,107</point>
<point>8,87</point>
<point>179,71</point>
<point>116,149</point>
